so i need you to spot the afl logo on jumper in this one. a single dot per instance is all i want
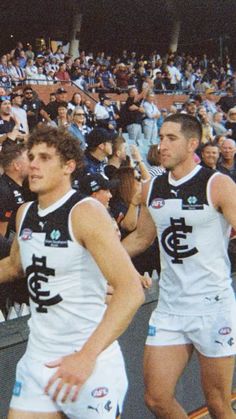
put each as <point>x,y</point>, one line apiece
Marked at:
<point>26,234</point>
<point>37,275</point>
<point>172,240</point>
<point>158,203</point>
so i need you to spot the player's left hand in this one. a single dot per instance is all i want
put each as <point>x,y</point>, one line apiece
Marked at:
<point>72,372</point>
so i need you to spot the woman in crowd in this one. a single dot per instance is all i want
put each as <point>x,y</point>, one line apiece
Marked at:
<point>126,199</point>
<point>207,130</point>
<point>75,101</point>
<point>78,125</point>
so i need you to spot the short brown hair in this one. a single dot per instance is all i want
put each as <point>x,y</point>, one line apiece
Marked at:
<point>190,126</point>
<point>66,145</point>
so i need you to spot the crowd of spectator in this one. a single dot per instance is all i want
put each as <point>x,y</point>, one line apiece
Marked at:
<point>102,72</point>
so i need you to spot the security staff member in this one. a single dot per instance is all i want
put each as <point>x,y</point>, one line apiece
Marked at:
<point>52,107</point>
<point>33,107</point>
<point>14,161</point>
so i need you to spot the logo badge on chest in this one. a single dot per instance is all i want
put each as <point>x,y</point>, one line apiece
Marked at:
<point>158,203</point>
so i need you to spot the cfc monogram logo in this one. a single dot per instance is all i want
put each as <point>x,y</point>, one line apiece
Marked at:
<point>173,236</point>
<point>37,274</point>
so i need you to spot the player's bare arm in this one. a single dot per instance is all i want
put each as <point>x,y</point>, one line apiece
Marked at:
<point>141,238</point>
<point>223,195</point>
<point>94,229</point>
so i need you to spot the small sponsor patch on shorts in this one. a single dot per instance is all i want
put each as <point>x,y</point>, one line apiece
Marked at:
<point>17,388</point>
<point>100,392</point>
<point>225,331</point>
<point>152,330</point>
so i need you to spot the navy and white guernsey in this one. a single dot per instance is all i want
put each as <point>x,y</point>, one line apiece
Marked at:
<point>193,238</point>
<point>67,289</point>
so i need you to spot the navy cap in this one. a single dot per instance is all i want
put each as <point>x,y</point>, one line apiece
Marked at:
<point>94,182</point>
<point>98,136</point>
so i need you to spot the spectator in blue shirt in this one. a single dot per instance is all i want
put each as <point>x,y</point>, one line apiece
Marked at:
<point>78,127</point>
<point>99,147</point>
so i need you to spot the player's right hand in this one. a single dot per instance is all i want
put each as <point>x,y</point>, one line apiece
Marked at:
<point>72,372</point>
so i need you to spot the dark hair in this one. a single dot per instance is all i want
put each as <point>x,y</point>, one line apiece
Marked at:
<point>153,155</point>
<point>27,88</point>
<point>10,151</point>
<point>198,98</point>
<point>66,145</point>
<point>190,126</point>
<point>62,105</point>
<point>73,99</point>
<point>125,188</point>
<point>209,144</point>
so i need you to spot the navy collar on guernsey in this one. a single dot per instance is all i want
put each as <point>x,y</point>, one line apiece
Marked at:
<point>184,179</point>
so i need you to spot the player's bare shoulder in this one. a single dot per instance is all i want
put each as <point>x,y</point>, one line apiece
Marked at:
<point>89,216</point>
<point>20,214</point>
<point>222,190</point>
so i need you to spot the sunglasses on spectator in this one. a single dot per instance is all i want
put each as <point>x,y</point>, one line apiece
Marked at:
<point>29,92</point>
<point>79,114</point>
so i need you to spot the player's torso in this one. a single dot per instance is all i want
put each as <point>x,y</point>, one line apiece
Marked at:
<point>65,285</point>
<point>193,239</point>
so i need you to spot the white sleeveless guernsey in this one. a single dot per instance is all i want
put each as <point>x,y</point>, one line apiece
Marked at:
<point>67,289</point>
<point>193,238</point>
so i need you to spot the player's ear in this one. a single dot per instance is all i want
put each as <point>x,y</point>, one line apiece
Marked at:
<point>193,144</point>
<point>70,166</point>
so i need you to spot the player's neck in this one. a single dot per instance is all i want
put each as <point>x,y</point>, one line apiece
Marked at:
<point>183,169</point>
<point>47,199</point>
